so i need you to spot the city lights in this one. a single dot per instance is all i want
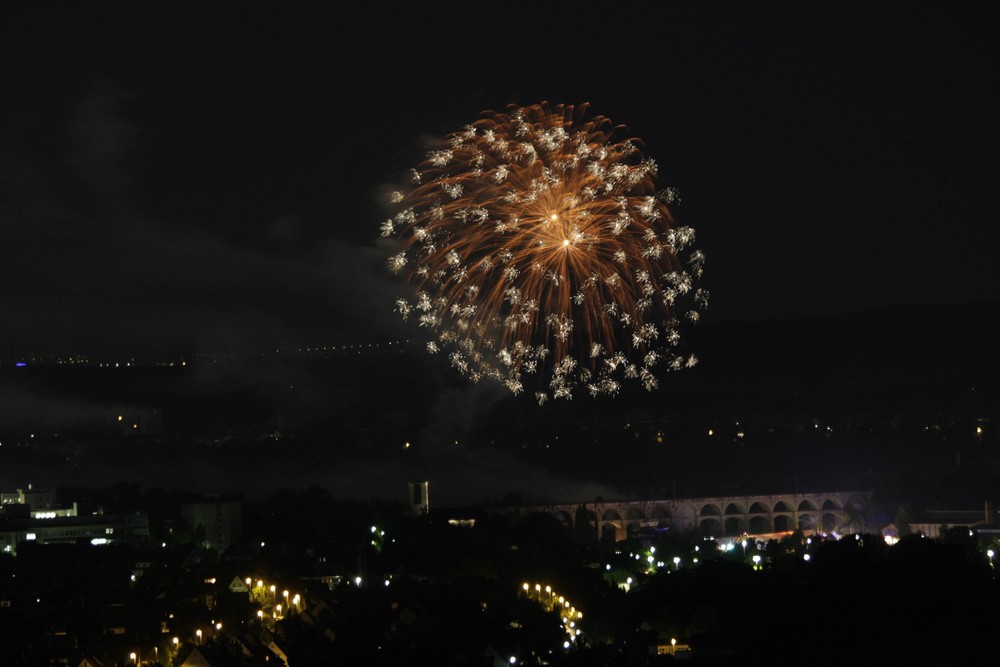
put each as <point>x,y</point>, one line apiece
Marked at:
<point>552,601</point>
<point>215,247</point>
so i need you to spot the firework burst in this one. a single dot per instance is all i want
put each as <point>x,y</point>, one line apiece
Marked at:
<point>543,255</point>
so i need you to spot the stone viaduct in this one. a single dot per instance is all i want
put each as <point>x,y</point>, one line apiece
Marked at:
<point>718,517</point>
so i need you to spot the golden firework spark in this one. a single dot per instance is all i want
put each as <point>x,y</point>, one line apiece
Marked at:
<point>540,246</point>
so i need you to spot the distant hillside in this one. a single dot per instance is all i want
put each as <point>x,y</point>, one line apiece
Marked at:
<point>887,399</point>
<point>893,353</point>
<point>894,357</point>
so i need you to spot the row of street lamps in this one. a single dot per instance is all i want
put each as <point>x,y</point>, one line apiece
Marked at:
<point>551,601</point>
<point>266,595</point>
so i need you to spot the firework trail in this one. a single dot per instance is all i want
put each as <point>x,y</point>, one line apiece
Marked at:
<point>543,254</point>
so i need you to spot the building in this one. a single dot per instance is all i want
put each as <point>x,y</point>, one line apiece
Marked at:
<point>36,499</point>
<point>221,520</point>
<point>420,503</point>
<point>34,516</point>
<point>96,529</point>
<point>931,522</point>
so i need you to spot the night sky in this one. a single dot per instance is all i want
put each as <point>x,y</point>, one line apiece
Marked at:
<point>180,178</point>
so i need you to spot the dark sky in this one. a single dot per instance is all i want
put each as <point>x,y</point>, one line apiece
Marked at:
<point>177,178</point>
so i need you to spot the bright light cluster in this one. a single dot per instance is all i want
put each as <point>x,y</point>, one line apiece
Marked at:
<point>540,247</point>
<point>552,601</point>
<point>273,605</point>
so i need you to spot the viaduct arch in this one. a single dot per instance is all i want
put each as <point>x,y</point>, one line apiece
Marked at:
<point>724,516</point>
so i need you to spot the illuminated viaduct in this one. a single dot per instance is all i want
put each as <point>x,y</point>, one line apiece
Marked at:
<point>719,516</point>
